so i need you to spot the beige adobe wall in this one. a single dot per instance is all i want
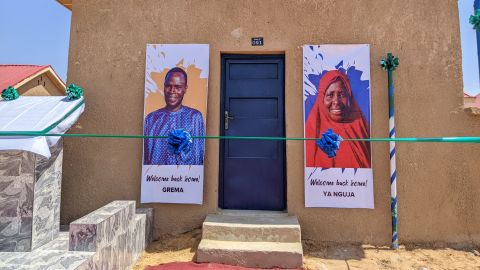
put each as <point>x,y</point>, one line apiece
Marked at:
<point>438,184</point>
<point>40,85</point>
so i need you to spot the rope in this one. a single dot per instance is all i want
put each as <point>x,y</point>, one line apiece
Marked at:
<point>121,136</point>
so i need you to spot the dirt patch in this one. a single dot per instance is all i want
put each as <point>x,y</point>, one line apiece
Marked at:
<point>319,256</point>
<point>169,248</point>
<point>322,256</point>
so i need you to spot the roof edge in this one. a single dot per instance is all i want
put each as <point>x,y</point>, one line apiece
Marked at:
<point>66,3</point>
<point>50,72</point>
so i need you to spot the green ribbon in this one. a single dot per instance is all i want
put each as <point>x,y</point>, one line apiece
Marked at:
<point>389,63</point>
<point>475,20</point>
<point>74,92</point>
<point>119,136</point>
<point>9,93</point>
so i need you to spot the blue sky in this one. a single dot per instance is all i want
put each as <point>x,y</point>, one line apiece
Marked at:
<point>38,32</point>
<point>35,32</point>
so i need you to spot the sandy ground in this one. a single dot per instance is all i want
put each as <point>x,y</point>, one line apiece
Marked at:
<point>319,256</point>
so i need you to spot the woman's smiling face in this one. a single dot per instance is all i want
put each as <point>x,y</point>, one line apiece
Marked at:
<point>337,101</point>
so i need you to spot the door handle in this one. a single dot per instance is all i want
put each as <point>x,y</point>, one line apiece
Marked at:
<point>226,119</point>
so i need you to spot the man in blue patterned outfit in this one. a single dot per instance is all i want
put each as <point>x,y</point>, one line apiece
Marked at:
<point>173,116</point>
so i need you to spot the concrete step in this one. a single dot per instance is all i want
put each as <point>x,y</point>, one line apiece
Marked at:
<point>251,213</point>
<point>41,259</point>
<point>251,254</point>
<point>252,228</point>
<point>102,226</point>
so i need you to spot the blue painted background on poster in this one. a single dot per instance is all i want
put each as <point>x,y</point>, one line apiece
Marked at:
<point>360,89</point>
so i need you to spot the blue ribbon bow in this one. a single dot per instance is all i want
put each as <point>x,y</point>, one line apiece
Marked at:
<point>179,141</point>
<point>329,143</point>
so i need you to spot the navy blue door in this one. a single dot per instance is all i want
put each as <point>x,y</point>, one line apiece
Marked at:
<point>252,172</point>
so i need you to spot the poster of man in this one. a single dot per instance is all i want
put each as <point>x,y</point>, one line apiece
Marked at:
<point>337,96</point>
<point>174,115</point>
<point>176,83</point>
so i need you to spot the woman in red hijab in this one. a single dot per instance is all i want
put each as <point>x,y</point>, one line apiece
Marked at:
<point>337,109</point>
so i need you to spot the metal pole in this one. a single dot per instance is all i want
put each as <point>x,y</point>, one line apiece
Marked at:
<point>393,166</point>
<point>390,64</point>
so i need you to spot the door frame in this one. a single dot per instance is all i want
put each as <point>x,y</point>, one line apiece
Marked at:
<point>223,58</point>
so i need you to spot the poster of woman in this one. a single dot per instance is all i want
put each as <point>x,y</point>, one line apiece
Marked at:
<point>337,96</point>
<point>176,83</point>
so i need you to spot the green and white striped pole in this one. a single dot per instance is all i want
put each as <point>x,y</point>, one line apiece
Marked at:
<point>390,64</point>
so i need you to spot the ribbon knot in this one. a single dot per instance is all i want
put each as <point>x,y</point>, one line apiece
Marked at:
<point>475,20</point>
<point>179,141</point>
<point>74,92</point>
<point>389,63</point>
<point>329,143</point>
<point>9,93</point>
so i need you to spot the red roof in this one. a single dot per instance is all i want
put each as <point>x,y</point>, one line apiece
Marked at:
<point>465,95</point>
<point>10,75</point>
<point>476,103</point>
